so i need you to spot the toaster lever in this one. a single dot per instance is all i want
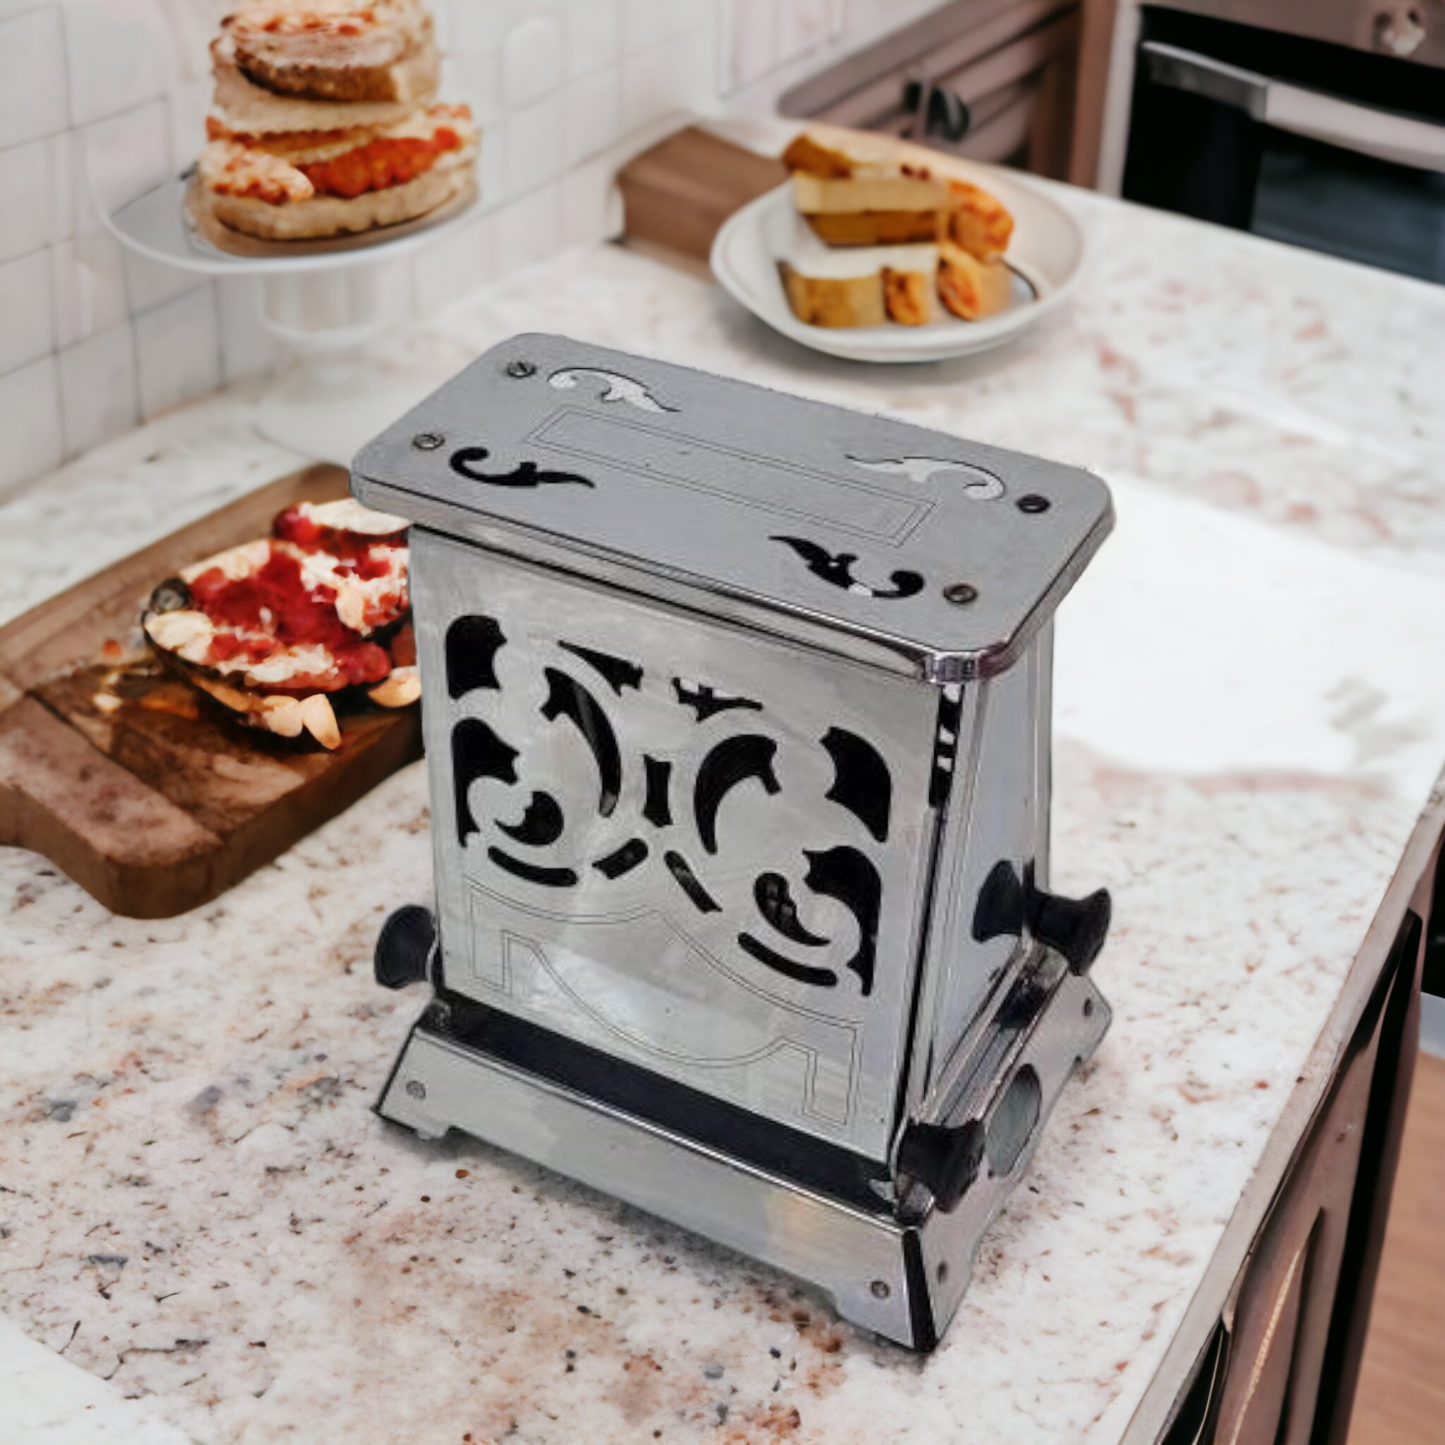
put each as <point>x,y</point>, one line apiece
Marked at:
<point>1074,928</point>
<point>404,946</point>
<point>944,1157</point>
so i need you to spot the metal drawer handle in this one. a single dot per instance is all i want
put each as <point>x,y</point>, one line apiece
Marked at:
<point>936,111</point>
<point>1311,113</point>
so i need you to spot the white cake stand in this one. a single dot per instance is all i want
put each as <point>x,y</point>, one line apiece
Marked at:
<point>321,299</point>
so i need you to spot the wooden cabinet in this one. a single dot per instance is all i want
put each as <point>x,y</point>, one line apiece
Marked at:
<point>1281,1366</point>
<point>1026,79</point>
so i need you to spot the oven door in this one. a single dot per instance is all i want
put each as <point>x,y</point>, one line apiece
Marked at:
<point>1302,141</point>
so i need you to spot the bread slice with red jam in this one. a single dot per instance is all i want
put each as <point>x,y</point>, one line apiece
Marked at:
<point>279,628</point>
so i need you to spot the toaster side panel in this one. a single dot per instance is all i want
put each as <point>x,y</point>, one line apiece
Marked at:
<point>695,847</point>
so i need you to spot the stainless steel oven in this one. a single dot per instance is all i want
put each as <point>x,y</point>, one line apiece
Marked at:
<point>1316,122</point>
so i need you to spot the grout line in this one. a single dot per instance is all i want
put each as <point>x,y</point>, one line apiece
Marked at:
<point>65,80</point>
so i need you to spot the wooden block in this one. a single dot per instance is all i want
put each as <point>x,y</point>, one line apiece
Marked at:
<point>679,193</point>
<point>153,809</point>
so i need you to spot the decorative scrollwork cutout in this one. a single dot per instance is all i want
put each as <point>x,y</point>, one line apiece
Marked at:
<point>524,474</point>
<point>532,804</point>
<point>615,387</point>
<point>837,568</point>
<point>979,484</point>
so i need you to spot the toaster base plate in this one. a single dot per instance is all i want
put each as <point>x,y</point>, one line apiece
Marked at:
<point>901,1278</point>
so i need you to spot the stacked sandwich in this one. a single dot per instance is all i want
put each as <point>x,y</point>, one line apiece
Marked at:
<point>326,120</point>
<point>886,240</point>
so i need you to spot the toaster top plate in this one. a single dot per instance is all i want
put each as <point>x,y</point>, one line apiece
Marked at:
<point>907,548</point>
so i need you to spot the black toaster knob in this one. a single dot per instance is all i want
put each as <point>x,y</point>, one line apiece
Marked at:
<point>945,1157</point>
<point>404,946</point>
<point>1074,928</point>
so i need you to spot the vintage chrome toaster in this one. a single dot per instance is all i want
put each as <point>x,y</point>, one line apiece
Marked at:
<point>737,719</point>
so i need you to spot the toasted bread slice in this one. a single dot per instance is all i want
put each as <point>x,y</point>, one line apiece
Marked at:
<point>320,216</point>
<point>308,218</point>
<point>869,176</point>
<point>859,286</point>
<point>297,147</point>
<point>826,195</point>
<point>250,108</point>
<point>977,221</point>
<point>806,153</point>
<point>970,288</point>
<point>335,49</point>
<point>838,301</point>
<point>910,297</point>
<point>875,228</point>
<point>871,194</point>
<point>271,628</point>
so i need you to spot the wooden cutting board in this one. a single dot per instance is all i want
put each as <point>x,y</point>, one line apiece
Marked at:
<point>151,811</point>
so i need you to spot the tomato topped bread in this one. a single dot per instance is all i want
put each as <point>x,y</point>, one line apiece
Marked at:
<point>326,121</point>
<point>275,628</point>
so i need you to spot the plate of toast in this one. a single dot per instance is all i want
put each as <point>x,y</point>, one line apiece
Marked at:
<point>876,249</point>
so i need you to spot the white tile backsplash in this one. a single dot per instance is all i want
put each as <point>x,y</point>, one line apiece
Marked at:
<point>565,92</point>
<point>592,114</point>
<point>33,84</point>
<point>749,48</point>
<point>149,284</point>
<point>529,229</point>
<point>60,157</point>
<point>591,203</point>
<point>30,423</point>
<point>492,164</point>
<point>534,146</point>
<point>189,104</point>
<point>531,61</point>
<point>120,158</point>
<point>666,79</point>
<point>89,279</point>
<point>26,218</point>
<point>474,64</point>
<point>116,50</point>
<point>594,34</point>
<point>802,27</point>
<point>645,22</point>
<point>178,352</point>
<point>27,318</point>
<point>98,388</point>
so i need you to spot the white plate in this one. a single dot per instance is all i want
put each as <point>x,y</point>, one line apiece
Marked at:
<point>160,225</point>
<point>1045,253</point>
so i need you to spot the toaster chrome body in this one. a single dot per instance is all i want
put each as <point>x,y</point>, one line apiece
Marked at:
<point>737,720</point>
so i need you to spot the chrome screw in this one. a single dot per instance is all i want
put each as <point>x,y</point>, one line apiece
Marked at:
<point>960,593</point>
<point>1033,504</point>
<point>879,1289</point>
<point>415,1089</point>
<point>428,441</point>
<point>521,369</point>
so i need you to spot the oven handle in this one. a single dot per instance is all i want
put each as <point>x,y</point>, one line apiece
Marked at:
<point>1311,113</point>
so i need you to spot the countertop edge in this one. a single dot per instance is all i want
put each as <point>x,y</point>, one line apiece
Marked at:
<point>1151,1415</point>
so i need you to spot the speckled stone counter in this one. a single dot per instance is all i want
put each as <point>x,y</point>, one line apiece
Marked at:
<point>198,1205</point>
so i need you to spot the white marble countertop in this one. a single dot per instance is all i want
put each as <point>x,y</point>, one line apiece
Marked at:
<point>198,1205</point>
